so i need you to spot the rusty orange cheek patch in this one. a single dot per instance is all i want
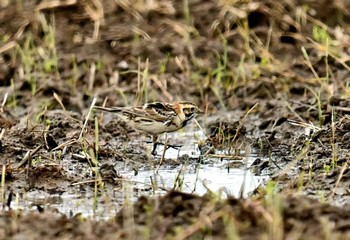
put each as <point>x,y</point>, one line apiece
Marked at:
<point>177,108</point>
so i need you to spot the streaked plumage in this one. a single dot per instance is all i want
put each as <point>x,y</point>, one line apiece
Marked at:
<point>157,117</point>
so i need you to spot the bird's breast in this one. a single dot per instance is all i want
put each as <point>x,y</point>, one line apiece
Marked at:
<point>151,126</point>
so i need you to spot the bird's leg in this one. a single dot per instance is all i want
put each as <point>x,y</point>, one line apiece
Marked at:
<point>155,143</point>
<point>176,147</point>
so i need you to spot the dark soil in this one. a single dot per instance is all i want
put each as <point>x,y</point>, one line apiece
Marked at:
<point>184,215</point>
<point>272,77</point>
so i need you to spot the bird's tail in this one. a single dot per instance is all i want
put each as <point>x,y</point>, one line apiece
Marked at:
<point>114,109</point>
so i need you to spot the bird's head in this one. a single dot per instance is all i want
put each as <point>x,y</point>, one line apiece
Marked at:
<point>190,110</point>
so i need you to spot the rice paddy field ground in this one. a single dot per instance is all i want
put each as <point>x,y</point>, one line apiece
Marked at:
<point>269,159</point>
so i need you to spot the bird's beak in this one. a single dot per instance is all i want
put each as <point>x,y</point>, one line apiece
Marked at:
<point>200,112</point>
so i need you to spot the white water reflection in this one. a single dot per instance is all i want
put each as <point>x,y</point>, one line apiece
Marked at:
<point>197,179</point>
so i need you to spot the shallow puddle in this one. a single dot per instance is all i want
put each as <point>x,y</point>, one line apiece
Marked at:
<point>214,175</point>
<point>198,179</point>
<point>196,175</point>
<point>69,204</point>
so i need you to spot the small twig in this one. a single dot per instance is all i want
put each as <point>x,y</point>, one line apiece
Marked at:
<point>241,122</point>
<point>87,118</point>
<point>211,149</point>
<point>8,46</point>
<point>4,102</point>
<point>62,145</point>
<point>292,110</point>
<point>58,99</point>
<point>343,109</point>
<point>275,163</point>
<point>303,124</point>
<point>177,178</point>
<point>55,4</point>
<point>153,184</point>
<point>242,189</point>
<point>342,170</point>
<point>3,178</point>
<point>28,156</point>
<point>197,179</point>
<point>162,88</point>
<point>163,155</point>
<point>199,126</point>
<point>103,105</point>
<point>105,102</point>
<point>2,133</point>
<point>92,76</point>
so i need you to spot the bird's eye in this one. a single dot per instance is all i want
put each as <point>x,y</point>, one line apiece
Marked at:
<point>192,109</point>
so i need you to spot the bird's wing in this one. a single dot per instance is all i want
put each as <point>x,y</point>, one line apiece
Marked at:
<point>159,111</point>
<point>106,109</point>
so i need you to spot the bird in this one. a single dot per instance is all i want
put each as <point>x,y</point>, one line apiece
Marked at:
<point>156,118</point>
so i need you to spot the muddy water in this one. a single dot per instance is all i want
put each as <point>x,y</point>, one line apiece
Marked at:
<point>194,175</point>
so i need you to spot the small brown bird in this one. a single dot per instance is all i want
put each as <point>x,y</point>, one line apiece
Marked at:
<point>157,117</point>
